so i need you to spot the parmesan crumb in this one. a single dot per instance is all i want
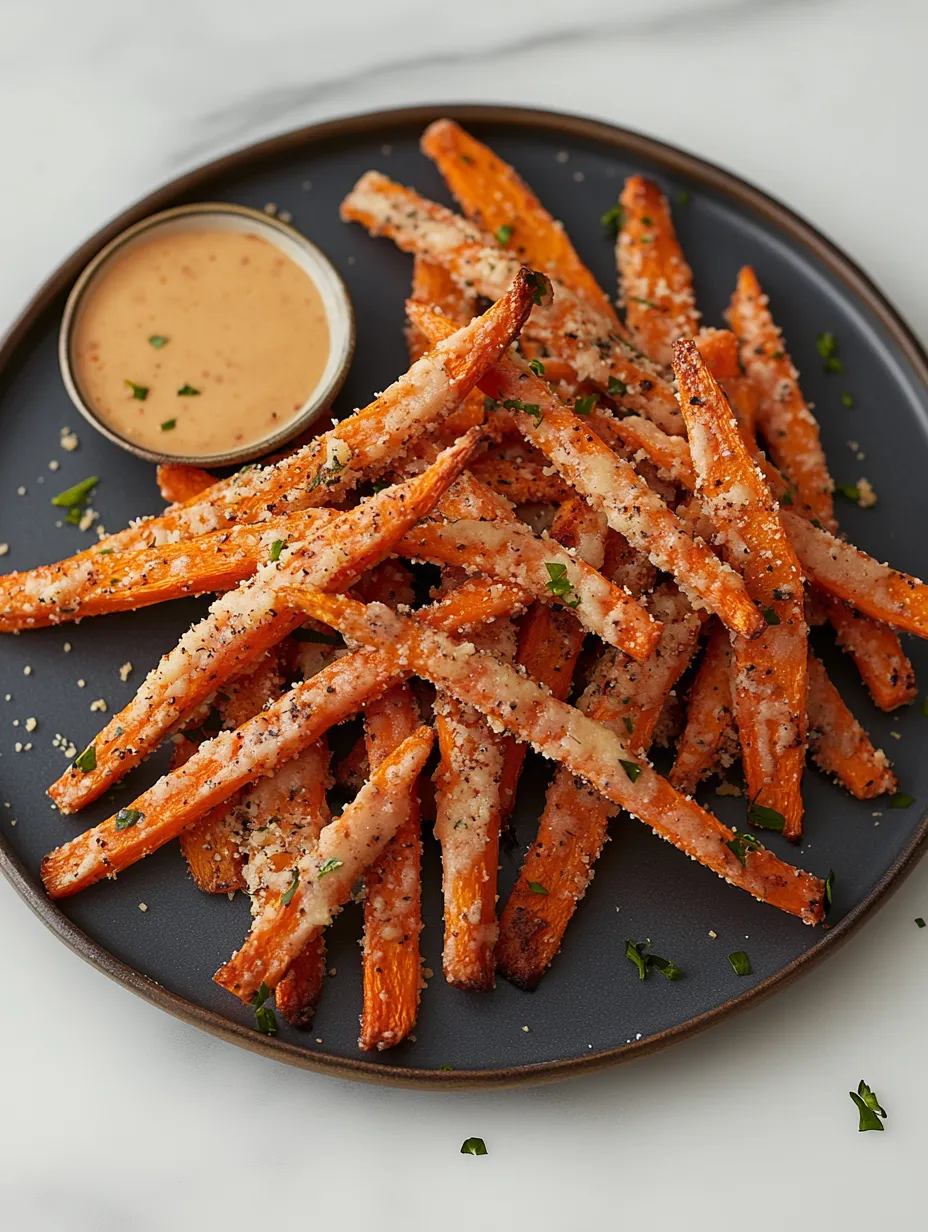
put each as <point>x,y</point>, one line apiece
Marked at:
<point>525,1028</point>
<point>27,670</point>
<point>20,491</point>
<point>69,440</point>
<point>31,725</point>
<point>81,683</point>
<point>712,933</point>
<point>727,789</point>
<point>124,671</point>
<point>54,464</point>
<point>866,497</point>
<point>66,648</point>
<point>562,156</point>
<point>4,548</point>
<point>143,906</point>
<point>285,216</point>
<point>332,971</point>
<point>99,706</point>
<point>579,177</point>
<point>270,208</point>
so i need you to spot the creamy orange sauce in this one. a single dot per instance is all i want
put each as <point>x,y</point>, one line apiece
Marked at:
<point>225,317</point>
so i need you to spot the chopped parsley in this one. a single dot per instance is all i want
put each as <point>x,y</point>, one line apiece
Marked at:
<point>900,800</point>
<point>265,1018</point>
<point>139,392</point>
<point>127,818</point>
<point>631,768</point>
<point>868,1106</point>
<point>560,584</point>
<point>786,498</point>
<point>537,888</point>
<point>584,406</point>
<point>187,391</point>
<point>629,723</point>
<point>847,400</point>
<point>849,491</point>
<point>770,616</point>
<point>683,197</point>
<point>328,475</point>
<point>477,1146</point>
<point>648,303</point>
<point>169,425</point>
<point>829,890</point>
<point>827,346</point>
<point>542,287</point>
<point>276,548</point>
<point>530,408</point>
<point>613,220</point>
<point>72,498</point>
<point>330,865</point>
<point>157,341</point>
<point>537,367</point>
<point>766,818</point>
<point>616,388</point>
<point>503,234</point>
<point>86,761</point>
<point>740,962</point>
<point>741,844</point>
<point>919,921</point>
<point>637,954</point>
<point>287,897</point>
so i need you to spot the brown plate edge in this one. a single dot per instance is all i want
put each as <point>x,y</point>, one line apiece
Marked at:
<point>679,162</point>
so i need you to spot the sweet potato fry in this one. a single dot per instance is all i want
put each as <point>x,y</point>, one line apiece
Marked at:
<point>655,282</point>
<point>363,445</point>
<point>243,624</point>
<point>544,569</point>
<point>587,748</point>
<point>839,745</point>
<point>283,816</point>
<point>570,329</point>
<point>179,483</point>
<point>519,480</point>
<point>770,672</point>
<point>212,846</point>
<point>705,744</point>
<point>784,418</point>
<point>628,698</point>
<point>842,570</point>
<point>223,765</point>
<point>392,965</point>
<point>499,201</point>
<point>551,638</point>
<point>322,879</point>
<point>877,652</point>
<point>613,486</point>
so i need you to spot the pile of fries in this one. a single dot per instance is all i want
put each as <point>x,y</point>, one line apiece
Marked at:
<point>655,529</point>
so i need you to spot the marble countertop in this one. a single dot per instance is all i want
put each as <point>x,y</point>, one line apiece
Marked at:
<point>117,1116</point>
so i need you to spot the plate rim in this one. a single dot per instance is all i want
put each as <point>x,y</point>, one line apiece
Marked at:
<point>676,161</point>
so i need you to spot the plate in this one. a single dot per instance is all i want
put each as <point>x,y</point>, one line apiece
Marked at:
<point>590,1009</point>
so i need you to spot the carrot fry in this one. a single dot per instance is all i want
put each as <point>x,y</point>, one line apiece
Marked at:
<point>544,569</point>
<point>212,846</point>
<point>322,879</point>
<point>491,193</point>
<point>392,965</point>
<point>613,486</point>
<point>784,418</point>
<point>571,329</point>
<point>710,724</point>
<point>719,348</point>
<point>363,445</point>
<point>670,454</point>
<point>244,623</point>
<point>352,771</point>
<point>655,282</point>
<point>838,743</point>
<point>223,765</point>
<point>179,483</point>
<point>587,748</point>
<point>770,672</point>
<point>284,815</point>
<point>551,638</point>
<point>877,652</point>
<point>519,481</point>
<point>628,698</point>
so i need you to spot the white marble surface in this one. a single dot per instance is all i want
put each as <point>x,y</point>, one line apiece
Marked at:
<point>117,1117</point>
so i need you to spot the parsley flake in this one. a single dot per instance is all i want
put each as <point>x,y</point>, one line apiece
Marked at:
<point>637,954</point>
<point>849,491</point>
<point>868,1106</point>
<point>169,425</point>
<point>683,197</point>
<point>829,889</point>
<point>919,921</point>
<point>616,388</point>
<point>766,818</point>
<point>126,818</point>
<point>613,220</point>
<point>71,498</point>
<point>530,408</point>
<point>741,844</point>
<point>560,584</point>
<point>629,723</point>
<point>87,761</point>
<point>140,392</point>
<point>631,768</point>
<point>900,800</point>
<point>330,865</point>
<point>503,234</point>
<point>542,286</point>
<point>648,303</point>
<point>827,346</point>
<point>537,888</point>
<point>477,1146</point>
<point>287,897</point>
<point>847,400</point>
<point>276,548</point>
<point>584,406</point>
<point>187,391</point>
<point>265,1018</point>
<point>537,367</point>
<point>157,341</point>
<point>770,616</point>
<point>740,962</point>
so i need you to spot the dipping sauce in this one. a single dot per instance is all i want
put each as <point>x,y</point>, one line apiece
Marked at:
<point>199,342</point>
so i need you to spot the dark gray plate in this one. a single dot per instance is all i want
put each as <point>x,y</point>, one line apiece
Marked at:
<point>590,1010</point>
